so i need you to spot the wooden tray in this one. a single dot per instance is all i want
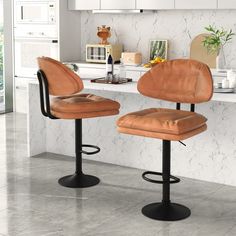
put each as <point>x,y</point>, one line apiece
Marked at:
<point>199,52</point>
<point>104,81</point>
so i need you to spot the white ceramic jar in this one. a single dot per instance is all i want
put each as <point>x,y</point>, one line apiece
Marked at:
<point>225,83</point>
<point>231,77</point>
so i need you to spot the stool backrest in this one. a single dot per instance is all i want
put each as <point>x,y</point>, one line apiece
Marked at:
<point>61,80</point>
<point>181,81</point>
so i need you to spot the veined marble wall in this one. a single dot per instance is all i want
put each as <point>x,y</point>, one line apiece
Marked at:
<point>178,26</point>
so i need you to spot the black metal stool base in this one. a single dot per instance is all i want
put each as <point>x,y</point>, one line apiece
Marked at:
<point>78,181</point>
<point>166,212</point>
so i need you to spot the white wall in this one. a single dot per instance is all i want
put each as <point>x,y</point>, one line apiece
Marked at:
<point>178,26</point>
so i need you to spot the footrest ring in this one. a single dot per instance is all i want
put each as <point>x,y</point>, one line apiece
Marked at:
<point>90,146</point>
<point>173,181</point>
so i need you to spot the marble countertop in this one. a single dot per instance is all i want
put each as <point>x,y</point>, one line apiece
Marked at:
<point>134,68</point>
<point>103,66</point>
<point>132,88</point>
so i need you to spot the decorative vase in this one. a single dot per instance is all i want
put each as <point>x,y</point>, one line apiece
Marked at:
<point>220,60</point>
<point>104,33</point>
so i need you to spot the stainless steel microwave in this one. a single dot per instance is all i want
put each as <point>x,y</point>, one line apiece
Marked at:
<point>98,53</point>
<point>35,12</point>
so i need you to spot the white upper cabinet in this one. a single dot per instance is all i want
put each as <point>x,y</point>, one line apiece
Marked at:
<point>118,4</point>
<point>196,4</point>
<point>83,4</point>
<point>155,4</point>
<point>149,4</point>
<point>227,4</point>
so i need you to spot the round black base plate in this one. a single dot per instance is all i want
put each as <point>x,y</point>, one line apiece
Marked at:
<point>166,212</point>
<point>78,181</point>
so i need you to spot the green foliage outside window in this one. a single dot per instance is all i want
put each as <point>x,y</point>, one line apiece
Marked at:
<point>1,58</point>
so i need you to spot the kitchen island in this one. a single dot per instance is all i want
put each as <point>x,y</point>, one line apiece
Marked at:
<point>210,156</point>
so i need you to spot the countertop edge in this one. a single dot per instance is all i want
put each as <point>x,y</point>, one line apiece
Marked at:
<point>132,89</point>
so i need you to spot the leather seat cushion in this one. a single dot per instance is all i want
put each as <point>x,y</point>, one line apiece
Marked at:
<point>162,123</point>
<point>83,106</point>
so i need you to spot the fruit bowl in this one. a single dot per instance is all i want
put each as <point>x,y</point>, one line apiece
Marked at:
<point>154,62</point>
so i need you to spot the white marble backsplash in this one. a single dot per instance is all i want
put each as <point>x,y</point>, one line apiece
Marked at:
<point>134,31</point>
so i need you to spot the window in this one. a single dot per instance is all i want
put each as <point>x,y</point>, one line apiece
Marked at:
<point>1,59</point>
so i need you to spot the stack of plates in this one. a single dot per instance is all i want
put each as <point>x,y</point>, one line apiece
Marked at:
<point>223,90</point>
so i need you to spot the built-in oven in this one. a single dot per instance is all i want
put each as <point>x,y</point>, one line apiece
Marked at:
<point>31,43</point>
<point>35,12</point>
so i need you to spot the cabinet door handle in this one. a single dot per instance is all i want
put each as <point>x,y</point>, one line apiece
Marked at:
<point>22,12</point>
<point>21,87</point>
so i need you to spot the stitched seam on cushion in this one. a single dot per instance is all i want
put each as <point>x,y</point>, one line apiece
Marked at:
<point>85,110</point>
<point>74,112</point>
<point>85,113</point>
<point>77,83</point>
<point>70,76</point>
<point>170,136</point>
<point>165,132</point>
<point>196,84</point>
<point>168,123</point>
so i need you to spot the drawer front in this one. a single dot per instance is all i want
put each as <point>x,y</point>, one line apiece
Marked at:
<point>155,4</point>
<point>83,5</point>
<point>20,99</point>
<point>226,4</point>
<point>21,94</point>
<point>117,4</point>
<point>196,4</point>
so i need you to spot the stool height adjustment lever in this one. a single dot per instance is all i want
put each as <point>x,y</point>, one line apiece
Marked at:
<point>182,143</point>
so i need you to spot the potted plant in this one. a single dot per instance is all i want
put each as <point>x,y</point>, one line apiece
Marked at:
<point>215,42</point>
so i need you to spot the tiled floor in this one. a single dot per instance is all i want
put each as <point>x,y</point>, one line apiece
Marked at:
<point>2,106</point>
<point>33,204</point>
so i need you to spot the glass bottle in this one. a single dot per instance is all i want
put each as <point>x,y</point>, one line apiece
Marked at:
<point>109,68</point>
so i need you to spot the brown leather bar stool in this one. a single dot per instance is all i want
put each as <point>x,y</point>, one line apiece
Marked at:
<point>59,81</point>
<point>179,81</point>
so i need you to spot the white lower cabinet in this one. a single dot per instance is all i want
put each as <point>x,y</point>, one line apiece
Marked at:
<point>155,4</point>
<point>20,95</point>
<point>195,4</point>
<point>226,4</point>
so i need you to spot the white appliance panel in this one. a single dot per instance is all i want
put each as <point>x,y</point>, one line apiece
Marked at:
<point>28,12</point>
<point>27,51</point>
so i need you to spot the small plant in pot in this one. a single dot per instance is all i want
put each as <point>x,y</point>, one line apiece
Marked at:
<point>215,42</point>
